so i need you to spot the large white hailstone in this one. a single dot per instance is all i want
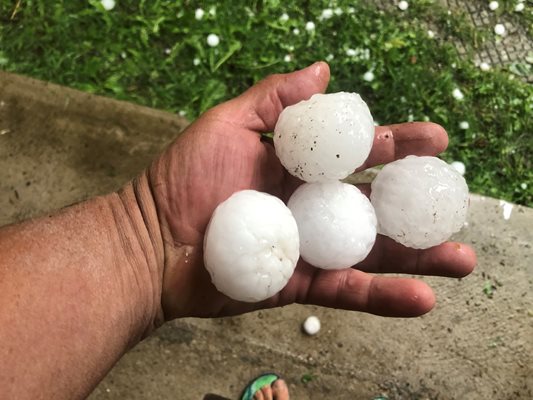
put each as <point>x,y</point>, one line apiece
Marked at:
<point>251,246</point>
<point>324,138</point>
<point>337,224</point>
<point>419,201</point>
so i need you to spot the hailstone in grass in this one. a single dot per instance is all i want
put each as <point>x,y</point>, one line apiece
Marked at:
<point>419,201</point>
<point>324,138</point>
<point>251,246</point>
<point>337,224</point>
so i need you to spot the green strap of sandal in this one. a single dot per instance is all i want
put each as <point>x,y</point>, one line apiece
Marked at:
<point>256,384</point>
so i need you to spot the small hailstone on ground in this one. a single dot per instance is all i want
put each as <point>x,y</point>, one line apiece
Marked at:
<point>519,7</point>
<point>287,58</point>
<point>459,167</point>
<point>457,94</point>
<point>310,26</point>
<point>168,51</point>
<point>351,52</point>
<point>296,31</point>
<point>327,13</point>
<point>199,14</point>
<point>493,5</point>
<point>499,29</point>
<point>213,40</point>
<point>403,5</point>
<point>324,138</point>
<point>484,66</point>
<point>108,4</point>
<point>251,246</point>
<point>336,222</point>
<point>196,62</point>
<point>330,57</point>
<point>419,201</point>
<point>368,76</point>
<point>431,34</point>
<point>523,185</point>
<point>284,17</point>
<point>464,125</point>
<point>507,209</point>
<point>311,325</point>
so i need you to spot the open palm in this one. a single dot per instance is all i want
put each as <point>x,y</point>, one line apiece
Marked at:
<point>223,152</point>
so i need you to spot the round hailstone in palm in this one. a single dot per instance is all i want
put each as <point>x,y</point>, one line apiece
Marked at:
<point>337,224</point>
<point>251,246</point>
<point>324,138</point>
<point>419,201</point>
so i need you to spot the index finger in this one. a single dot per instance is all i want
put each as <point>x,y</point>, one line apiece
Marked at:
<point>392,142</point>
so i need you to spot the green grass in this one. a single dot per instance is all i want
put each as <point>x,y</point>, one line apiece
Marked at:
<point>146,51</point>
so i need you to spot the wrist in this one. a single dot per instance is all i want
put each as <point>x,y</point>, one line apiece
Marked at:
<point>141,245</point>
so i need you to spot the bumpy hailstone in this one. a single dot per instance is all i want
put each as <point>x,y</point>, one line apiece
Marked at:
<point>251,246</point>
<point>419,201</point>
<point>324,138</point>
<point>337,224</point>
<point>311,325</point>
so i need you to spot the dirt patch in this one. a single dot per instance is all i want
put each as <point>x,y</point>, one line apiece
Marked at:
<point>59,146</point>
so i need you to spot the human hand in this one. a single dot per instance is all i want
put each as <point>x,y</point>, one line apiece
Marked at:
<point>223,152</point>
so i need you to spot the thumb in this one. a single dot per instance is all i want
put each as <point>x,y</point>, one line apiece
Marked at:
<point>259,107</point>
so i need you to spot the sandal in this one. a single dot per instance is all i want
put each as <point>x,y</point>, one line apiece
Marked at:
<point>256,384</point>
